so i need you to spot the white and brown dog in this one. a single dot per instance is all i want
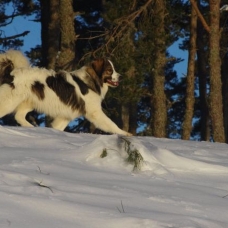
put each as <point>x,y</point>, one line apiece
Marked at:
<point>64,95</point>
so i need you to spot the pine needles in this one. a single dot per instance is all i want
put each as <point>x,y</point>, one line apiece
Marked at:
<point>133,155</point>
<point>104,153</point>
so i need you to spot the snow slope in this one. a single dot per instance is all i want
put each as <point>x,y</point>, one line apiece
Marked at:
<point>52,179</point>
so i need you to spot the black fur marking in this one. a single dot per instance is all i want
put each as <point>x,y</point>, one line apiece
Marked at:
<point>65,91</point>
<point>6,67</point>
<point>38,89</point>
<point>82,86</point>
<point>90,83</point>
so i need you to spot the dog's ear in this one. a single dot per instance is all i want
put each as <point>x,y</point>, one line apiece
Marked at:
<point>98,66</point>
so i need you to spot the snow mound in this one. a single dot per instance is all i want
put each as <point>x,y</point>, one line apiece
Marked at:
<point>111,151</point>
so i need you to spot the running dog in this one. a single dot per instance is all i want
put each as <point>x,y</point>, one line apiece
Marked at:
<point>62,95</point>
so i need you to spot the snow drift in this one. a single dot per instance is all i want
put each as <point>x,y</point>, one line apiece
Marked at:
<point>57,179</point>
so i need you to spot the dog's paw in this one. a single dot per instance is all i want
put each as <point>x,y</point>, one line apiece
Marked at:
<point>128,134</point>
<point>124,133</point>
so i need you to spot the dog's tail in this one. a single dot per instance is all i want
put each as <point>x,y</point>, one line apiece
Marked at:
<point>10,60</point>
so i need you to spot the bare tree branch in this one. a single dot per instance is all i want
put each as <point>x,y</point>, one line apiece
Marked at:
<point>122,24</point>
<point>11,17</point>
<point>199,14</point>
<point>15,36</point>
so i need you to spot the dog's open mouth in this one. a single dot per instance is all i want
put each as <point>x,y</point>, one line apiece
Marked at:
<point>112,83</point>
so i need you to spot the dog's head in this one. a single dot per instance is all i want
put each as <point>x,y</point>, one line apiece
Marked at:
<point>105,71</point>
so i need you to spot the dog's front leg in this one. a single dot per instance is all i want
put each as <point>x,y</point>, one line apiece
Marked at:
<point>101,121</point>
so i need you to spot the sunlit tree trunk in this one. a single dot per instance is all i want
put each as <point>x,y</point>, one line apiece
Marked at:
<point>68,36</point>
<point>129,117</point>
<point>216,106</point>
<point>190,98</point>
<point>125,116</point>
<point>158,101</point>
<point>50,32</point>
<point>129,107</point>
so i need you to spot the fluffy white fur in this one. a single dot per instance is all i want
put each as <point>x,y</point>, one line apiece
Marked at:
<point>16,57</point>
<point>20,99</point>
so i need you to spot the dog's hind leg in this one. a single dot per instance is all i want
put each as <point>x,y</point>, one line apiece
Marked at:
<point>8,103</point>
<point>21,112</point>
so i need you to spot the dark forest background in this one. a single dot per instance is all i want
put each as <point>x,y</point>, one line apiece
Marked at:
<point>136,34</point>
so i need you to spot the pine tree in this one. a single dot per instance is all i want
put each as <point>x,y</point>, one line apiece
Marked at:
<point>190,86</point>
<point>19,8</point>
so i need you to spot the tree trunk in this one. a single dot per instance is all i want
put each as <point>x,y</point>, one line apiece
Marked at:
<point>133,118</point>
<point>225,93</point>
<point>50,32</point>
<point>125,116</point>
<point>54,34</point>
<point>129,106</point>
<point>68,36</point>
<point>158,105</point>
<point>190,88</point>
<point>129,117</point>
<point>216,107</point>
<point>203,82</point>
<point>44,30</point>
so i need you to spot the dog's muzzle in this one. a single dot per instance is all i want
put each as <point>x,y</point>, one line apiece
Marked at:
<point>112,83</point>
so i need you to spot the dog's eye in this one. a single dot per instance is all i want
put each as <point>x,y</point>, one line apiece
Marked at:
<point>109,71</point>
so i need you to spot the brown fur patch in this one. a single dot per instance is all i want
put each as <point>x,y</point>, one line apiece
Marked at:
<point>98,66</point>
<point>6,66</point>
<point>103,69</point>
<point>38,89</point>
<point>93,81</point>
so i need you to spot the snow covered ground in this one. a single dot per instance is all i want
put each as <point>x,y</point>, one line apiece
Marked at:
<point>52,179</point>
